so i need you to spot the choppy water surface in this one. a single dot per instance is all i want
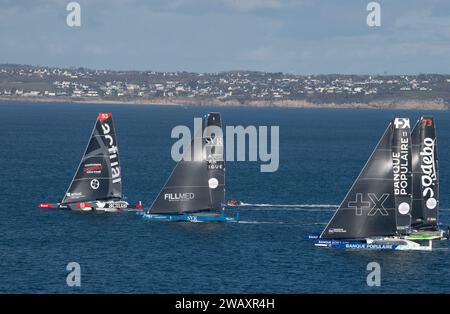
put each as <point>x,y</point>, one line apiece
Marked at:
<point>321,153</point>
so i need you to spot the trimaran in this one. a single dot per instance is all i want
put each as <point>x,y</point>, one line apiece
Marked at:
<point>394,202</point>
<point>195,190</point>
<point>97,184</point>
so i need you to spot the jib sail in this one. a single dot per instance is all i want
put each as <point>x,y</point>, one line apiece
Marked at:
<point>197,184</point>
<point>98,177</point>
<point>425,174</point>
<point>371,207</point>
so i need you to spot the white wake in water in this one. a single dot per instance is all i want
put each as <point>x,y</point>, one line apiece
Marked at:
<point>254,222</point>
<point>289,205</point>
<point>299,207</point>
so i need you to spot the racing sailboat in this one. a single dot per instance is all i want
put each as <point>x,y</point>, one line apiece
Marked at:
<point>195,191</point>
<point>97,184</point>
<point>425,203</point>
<point>376,213</point>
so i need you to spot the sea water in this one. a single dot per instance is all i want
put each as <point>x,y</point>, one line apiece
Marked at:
<point>321,153</point>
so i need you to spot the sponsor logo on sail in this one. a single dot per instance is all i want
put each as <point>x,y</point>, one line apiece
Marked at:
<point>373,206</point>
<point>403,208</point>
<point>95,184</point>
<point>378,204</point>
<point>213,152</point>
<point>250,142</point>
<point>75,195</point>
<point>337,230</point>
<point>214,141</point>
<point>400,165</point>
<point>213,183</point>
<point>401,123</point>
<point>178,197</point>
<point>429,177</point>
<point>92,168</point>
<point>113,153</point>
<point>431,203</point>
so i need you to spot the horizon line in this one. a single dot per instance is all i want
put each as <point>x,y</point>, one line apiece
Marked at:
<point>213,73</point>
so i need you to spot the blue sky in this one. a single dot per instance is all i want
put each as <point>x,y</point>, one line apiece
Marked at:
<point>294,36</point>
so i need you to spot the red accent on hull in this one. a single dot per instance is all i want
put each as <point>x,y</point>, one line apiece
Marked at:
<point>45,205</point>
<point>232,203</point>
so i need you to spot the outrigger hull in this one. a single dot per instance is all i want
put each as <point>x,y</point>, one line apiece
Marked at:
<point>427,235</point>
<point>186,217</point>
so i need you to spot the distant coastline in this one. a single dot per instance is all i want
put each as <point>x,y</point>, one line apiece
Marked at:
<point>181,101</point>
<point>231,88</point>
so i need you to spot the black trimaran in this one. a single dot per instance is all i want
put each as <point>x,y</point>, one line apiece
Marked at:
<point>195,190</point>
<point>393,204</point>
<point>97,184</point>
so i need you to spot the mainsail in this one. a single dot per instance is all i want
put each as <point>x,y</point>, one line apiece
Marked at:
<point>196,184</point>
<point>98,176</point>
<point>425,204</point>
<point>373,207</point>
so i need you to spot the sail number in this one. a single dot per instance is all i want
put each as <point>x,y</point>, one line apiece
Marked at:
<point>427,122</point>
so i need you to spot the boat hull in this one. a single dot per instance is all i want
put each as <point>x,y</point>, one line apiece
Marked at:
<point>388,243</point>
<point>185,217</point>
<point>98,206</point>
<point>427,235</point>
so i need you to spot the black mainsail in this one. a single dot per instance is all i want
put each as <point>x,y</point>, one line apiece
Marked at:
<point>425,206</point>
<point>373,207</point>
<point>98,176</point>
<point>196,184</point>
